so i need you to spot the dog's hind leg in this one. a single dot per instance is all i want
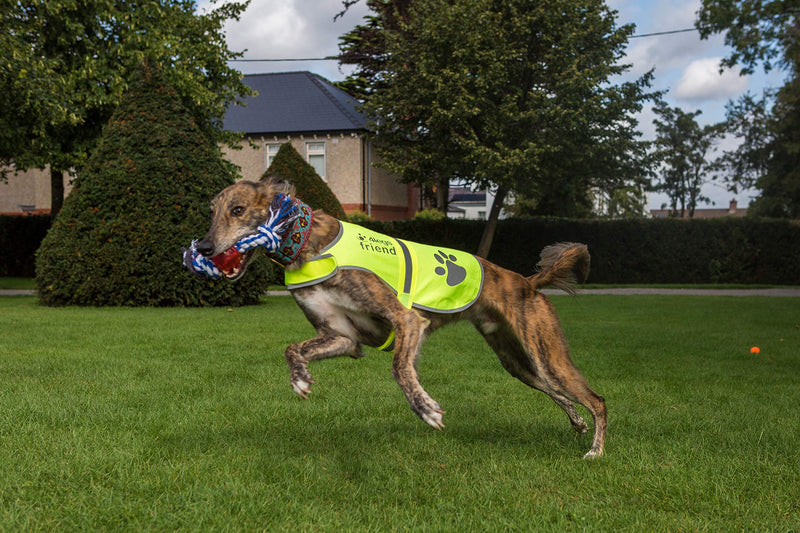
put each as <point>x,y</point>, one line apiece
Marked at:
<point>325,344</point>
<point>549,369</point>
<point>509,351</point>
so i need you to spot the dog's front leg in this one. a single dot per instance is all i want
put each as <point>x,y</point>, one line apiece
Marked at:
<point>410,331</point>
<point>325,344</point>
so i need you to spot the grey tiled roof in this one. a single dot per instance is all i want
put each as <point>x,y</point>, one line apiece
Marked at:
<point>294,102</point>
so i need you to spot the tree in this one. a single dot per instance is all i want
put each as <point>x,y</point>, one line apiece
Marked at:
<point>310,188</point>
<point>143,194</point>
<point>749,120</point>
<point>779,182</point>
<point>516,96</point>
<point>684,148</point>
<point>766,33</point>
<point>758,32</point>
<point>67,65</point>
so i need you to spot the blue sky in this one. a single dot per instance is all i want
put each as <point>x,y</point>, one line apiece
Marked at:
<point>686,67</point>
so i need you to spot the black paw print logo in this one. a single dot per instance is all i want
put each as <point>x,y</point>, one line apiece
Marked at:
<point>361,237</point>
<point>455,273</point>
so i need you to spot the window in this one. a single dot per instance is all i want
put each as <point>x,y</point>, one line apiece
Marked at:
<point>272,151</point>
<point>315,155</point>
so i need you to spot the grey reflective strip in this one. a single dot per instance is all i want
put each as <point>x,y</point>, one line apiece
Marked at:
<point>312,282</point>
<point>409,267</point>
<point>334,241</point>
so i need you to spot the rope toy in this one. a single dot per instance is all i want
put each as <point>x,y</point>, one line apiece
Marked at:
<point>283,210</point>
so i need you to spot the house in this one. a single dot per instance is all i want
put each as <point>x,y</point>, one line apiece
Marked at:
<point>733,210</point>
<point>470,204</point>
<point>27,192</point>
<point>321,122</point>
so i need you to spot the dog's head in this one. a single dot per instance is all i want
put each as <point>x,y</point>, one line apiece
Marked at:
<point>237,212</point>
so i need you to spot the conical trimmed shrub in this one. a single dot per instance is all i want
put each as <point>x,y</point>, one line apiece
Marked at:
<point>143,195</point>
<point>291,166</point>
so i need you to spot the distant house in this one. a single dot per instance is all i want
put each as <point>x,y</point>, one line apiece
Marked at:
<point>469,204</point>
<point>323,124</point>
<point>733,210</point>
<point>318,119</point>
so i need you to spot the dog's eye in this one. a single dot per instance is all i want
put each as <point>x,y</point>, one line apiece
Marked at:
<point>237,211</point>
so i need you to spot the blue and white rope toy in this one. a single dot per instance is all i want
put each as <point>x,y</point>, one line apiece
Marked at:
<point>282,211</point>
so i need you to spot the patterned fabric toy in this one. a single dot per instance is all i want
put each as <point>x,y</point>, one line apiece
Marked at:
<point>283,211</point>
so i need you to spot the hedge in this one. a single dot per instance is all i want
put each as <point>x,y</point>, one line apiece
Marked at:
<point>142,196</point>
<point>20,237</point>
<point>726,250</point>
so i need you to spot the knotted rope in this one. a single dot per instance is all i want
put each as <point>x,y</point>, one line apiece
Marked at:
<point>283,210</point>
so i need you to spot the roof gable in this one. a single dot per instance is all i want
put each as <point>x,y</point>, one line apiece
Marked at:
<point>289,102</point>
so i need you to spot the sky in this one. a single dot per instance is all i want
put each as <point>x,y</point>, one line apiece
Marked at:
<point>685,67</point>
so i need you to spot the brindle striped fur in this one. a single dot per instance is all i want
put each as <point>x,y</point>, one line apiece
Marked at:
<point>356,308</point>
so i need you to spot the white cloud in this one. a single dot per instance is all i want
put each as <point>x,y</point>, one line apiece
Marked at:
<point>281,29</point>
<point>702,80</point>
<point>268,27</point>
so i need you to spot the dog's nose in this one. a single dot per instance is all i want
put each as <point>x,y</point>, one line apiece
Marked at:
<point>205,247</point>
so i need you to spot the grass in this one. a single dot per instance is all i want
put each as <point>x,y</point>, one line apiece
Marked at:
<point>17,283</point>
<point>183,419</point>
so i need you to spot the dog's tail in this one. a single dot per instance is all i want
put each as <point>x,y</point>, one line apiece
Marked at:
<point>562,265</point>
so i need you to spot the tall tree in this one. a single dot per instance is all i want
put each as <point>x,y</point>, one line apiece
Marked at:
<point>684,149</point>
<point>67,64</point>
<point>749,120</point>
<point>779,183</point>
<point>766,33</point>
<point>518,96</point>
<point>762,32</point>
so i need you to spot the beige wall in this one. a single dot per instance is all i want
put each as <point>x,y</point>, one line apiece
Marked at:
<point>386,190</point>
<point>29,188</point>
<point>348,169</point>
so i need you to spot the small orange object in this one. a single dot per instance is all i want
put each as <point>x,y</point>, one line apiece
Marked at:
<point>755,349</point>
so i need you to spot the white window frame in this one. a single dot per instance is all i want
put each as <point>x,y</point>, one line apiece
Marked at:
<point>269,155</point>
<point>318,148</point>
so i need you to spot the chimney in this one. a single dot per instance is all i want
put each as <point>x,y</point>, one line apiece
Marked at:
<point>732,208</point>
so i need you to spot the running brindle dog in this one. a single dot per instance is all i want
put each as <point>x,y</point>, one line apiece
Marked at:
<point>355,307</point>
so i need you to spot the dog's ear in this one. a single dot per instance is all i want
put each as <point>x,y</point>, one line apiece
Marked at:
<point>276,185</point>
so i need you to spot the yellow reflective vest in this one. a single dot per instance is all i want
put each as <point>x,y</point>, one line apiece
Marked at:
<point>426,277</point>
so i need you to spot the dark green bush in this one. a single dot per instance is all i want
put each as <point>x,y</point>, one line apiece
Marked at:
<point>20,236</point>
<point>289,165</point>
<point>143,194</point>
<point>634,250</point>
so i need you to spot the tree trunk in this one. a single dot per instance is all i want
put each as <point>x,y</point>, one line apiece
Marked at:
<point>491,223</point>
<point>442,194</point>
<point>56,192</point>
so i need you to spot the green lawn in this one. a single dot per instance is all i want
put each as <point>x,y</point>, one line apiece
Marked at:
<point>183,419</point>
<point>17,283</point>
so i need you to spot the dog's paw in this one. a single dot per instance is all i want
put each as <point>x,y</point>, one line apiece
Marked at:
<point>429,411</point>
<point>301,382</point>
<point>301,387</point>
<point>434,419</point>
<point>593,453</point>
<point>580,426</point>
<point>300,379</point>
